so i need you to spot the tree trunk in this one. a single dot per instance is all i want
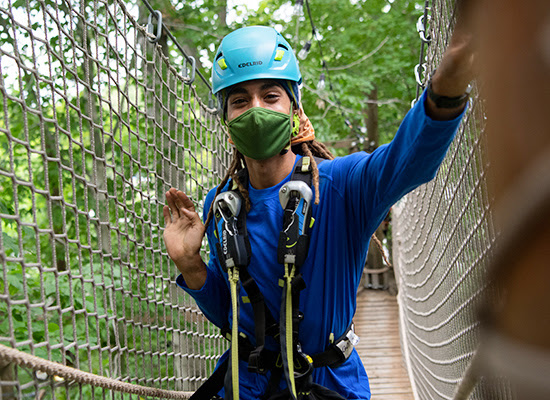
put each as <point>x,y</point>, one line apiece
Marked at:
<point>373,136</point>
<point>53,175</point>
<point>222,13</point>
<point>374,256</point>
<point>98,174</point>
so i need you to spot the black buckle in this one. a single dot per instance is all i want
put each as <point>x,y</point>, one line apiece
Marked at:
<point>303,363</point>
<point>255,361</point>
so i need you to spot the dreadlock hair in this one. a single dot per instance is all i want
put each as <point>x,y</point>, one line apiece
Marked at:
<point>311,149</point>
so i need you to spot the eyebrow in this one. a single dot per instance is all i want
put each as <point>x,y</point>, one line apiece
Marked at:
<point>265,86</point>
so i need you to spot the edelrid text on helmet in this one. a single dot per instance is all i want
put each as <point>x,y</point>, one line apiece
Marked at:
<point>254,52</point>
<point>250,64</point>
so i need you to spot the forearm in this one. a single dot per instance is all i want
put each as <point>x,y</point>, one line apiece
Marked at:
<point>457,67</point>
<point>212,296</point>
<point>374,182</point>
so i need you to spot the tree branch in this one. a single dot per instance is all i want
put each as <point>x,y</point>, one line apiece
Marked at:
<point>178,26</point>
<point>326,111</point>
<point>354,63</point>
<point>323,97</point>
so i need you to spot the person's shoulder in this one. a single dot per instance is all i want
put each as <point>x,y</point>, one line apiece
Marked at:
<point>210,197</point>
<point>342,162</point>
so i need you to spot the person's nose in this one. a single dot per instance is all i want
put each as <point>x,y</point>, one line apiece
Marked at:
<point>256,101</point>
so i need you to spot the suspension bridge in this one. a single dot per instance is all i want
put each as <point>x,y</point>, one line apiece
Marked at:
<point>89,143</point>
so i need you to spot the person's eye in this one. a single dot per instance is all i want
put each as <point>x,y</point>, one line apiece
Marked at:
<point>238,101</point>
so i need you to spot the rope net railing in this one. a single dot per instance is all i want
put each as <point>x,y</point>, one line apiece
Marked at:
<point>96,125</point>
<point>443,237</point>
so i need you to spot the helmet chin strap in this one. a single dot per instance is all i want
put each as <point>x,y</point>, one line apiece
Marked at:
<point>295,122</point>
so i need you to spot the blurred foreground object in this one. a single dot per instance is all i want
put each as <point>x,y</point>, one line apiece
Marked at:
<point>514,59</point>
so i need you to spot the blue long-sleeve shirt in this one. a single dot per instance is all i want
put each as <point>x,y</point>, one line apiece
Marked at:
<point>356,192</point>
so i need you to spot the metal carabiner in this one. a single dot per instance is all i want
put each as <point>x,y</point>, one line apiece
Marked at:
<point>228,205</point>
<point>151,28</point>
<point>417,74</point>
<point>292,187</point>
<point>295,198</point>
<point>303,202</point>
<point>233,247</point>
<point>185,73</point>
<point>213,104</point>
<point>421,28</point>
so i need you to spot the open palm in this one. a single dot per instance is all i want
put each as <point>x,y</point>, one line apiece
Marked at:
<point>184,229</point>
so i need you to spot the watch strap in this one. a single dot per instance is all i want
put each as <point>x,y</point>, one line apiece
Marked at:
<point>445,101</point>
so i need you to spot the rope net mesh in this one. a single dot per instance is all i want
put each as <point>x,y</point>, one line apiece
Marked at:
<point>443,236</point>
<point>96,124</point>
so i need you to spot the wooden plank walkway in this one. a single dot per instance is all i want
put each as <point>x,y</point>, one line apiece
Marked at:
<point>377,324</point>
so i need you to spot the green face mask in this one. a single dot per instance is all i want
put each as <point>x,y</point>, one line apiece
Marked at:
<point>260,133</point>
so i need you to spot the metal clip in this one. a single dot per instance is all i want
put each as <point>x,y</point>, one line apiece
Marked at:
<point>213,102</point>
<point>151,28</point>
<point>185,72</point>
<point>232,247</point>
<point>295,198</point>
<point>231,202</point>
<point>294,187</point>
<point>347,343</point>
<point>303,195</point>
<point>421,28</point>
<point>352,336</point>
<point>417,74</point>
<point>345,346</point>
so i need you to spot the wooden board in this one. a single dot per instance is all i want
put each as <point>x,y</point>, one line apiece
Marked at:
<point>376,323</point>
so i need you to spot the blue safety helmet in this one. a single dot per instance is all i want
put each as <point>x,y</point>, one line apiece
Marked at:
<point>254,52</point>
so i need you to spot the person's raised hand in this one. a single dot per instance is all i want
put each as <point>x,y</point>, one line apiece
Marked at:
<point>183,234</point>
<point>458,68</point>
<point>458,65</point>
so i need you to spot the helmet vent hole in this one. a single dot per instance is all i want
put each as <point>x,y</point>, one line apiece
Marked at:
<point>283,46</point>
<point>220,54</point>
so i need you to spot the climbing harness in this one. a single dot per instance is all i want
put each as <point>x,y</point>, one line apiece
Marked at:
<point>233,249</point>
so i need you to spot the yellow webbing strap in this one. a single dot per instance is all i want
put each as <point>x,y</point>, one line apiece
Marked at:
<point>306,163</point>
<point>289,274</point>
<point>233,280</point>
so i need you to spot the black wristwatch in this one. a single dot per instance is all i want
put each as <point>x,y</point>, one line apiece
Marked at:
<point>445,101</point>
